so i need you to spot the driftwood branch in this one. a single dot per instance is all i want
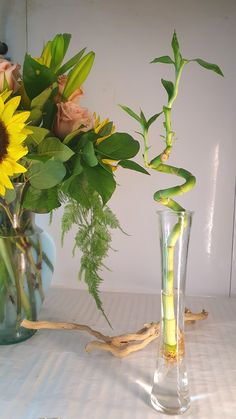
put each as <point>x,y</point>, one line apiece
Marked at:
<point>119,346</point>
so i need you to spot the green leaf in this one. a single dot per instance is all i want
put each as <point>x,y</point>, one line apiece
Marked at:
<point>69,64</point>
<point>46,175</point>
<point>130,112</point>
<point>119,146</point>
<point>57,51</point>
<point>10,195</point>
<point>36,77</point>
<point>67,38</point>
<point>71,136</point>
<point>89,154</point>
<point>76,188</point>
<point>143,119</point>
<point>165,59</point>
<point>40,100</point>
<point>101,181</point>
<point>169,86</point>
<point>53,147</point>
<point>37,136</point>
<point>153,119</point>
<point>36,116</point>
<point>132,165</point>
<point>41,201</point>
<point>50,110</point>
<point>106,129</point>
<point>176,50</point>
<point>78,74</point>
<point>209,66</point>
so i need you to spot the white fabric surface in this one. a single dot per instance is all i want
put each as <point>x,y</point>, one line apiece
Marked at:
<point>51,375</point>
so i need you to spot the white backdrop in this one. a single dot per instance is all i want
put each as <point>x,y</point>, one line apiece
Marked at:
<point>126,35</point>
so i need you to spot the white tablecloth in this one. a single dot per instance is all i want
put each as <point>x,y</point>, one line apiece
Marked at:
<point>51,375</point>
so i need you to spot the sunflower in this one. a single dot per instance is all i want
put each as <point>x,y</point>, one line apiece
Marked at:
<point>12,134</point>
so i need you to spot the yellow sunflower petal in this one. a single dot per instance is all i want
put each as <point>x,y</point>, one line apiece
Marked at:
<point>2,189</point>
<point>10,108</point>
<point>5,95</point>
<point>6,181</point>
<point>20,117</point>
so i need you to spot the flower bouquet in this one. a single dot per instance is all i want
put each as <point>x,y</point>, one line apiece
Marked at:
<point>53,151</point>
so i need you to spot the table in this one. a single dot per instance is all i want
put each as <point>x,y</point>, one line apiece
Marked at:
<point>52,375</point>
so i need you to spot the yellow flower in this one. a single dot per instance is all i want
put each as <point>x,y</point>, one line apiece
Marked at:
<point>98,127</point>
<point>12,134</point>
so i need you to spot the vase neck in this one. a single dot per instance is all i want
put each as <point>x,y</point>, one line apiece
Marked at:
<point>14,219</point>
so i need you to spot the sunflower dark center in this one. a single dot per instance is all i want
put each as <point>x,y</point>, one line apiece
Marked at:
<point>4,141</point>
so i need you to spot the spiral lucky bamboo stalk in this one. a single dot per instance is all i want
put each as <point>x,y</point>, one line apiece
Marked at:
<point>165,196</point>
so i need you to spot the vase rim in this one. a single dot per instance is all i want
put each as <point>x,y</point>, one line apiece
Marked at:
<point>172,212</point>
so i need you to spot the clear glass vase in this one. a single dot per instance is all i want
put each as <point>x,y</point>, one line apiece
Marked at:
<point>170,392</point>
<point>27,256</point>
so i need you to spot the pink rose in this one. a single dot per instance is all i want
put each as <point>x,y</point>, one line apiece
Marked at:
<point>71,117</point>
<point>74,97</point>
<point>12,74</point>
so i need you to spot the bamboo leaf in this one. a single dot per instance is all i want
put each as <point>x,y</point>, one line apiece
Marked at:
<point>176,50</point>
<point>169,86</point>
<point>130,112</point>
<point>153,119</point>
<point>165,59</point>
<point>208,66</point>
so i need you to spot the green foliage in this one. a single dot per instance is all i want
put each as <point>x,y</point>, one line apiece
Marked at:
<point>132,165</point>
<point>118,146</point>
<point>78,74</point>
<point>36,77</point>
<point>165,59</point>
<point>209,66</point>
<point>41,200</point>
<point>93,239</point>
<point>46,175</point>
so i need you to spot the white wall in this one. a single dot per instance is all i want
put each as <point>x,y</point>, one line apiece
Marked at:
<point>126,35</point>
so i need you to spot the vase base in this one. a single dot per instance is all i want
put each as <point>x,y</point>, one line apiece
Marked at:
<point>16,337</point>
<point>168,409</point>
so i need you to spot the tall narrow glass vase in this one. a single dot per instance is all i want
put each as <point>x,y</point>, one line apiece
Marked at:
<point>170,392</point>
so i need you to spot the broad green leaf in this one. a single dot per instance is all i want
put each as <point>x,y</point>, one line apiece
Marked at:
<point>153,119</point>
<point>165,59</point>
<point>101,181</point>
<point>118,146</point>
<point>41,201</point>
<point>78,74</point>
<point>76,188</point>
<point>132,165</point>
<point>69,64</point>
<point>168,85</point>
<point>37,136</point>
<point>89,154</point>
<point>176,50</point>
<point>130,112</point>
<point>209,66</point>
<point>36,77</point>
<point>46,175</point>
<point>75,164</point>
<point>53,147</point>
